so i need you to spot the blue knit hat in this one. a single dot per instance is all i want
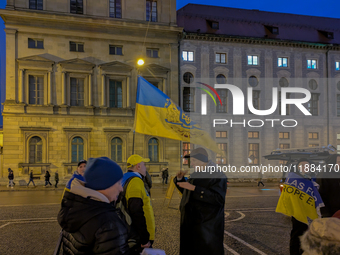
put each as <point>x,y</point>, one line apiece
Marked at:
<point>102,173</point>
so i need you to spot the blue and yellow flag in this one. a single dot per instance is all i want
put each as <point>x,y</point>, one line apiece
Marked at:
<point>300,199</point>
<point>156,114</point>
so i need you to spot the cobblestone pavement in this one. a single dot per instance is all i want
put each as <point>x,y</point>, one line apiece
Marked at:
<point>28,221</point>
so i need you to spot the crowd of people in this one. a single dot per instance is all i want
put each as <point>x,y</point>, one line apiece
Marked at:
<point>104,211</point>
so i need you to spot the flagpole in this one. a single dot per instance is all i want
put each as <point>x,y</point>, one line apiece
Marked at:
<point>133,142</point>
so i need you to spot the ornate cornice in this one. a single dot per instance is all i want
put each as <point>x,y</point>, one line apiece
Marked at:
<point>260,41</point>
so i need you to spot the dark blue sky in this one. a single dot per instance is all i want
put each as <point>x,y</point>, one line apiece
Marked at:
<point>328,8</point>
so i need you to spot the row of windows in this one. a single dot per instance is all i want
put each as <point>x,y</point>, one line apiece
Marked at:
<point>79,47</point>
<point>115,8</point>
<point>189,102</point>
<point>77,149</point>
<point>77,92</point>
<point>253,60</point>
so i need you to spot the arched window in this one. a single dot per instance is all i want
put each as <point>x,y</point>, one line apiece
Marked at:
<point>116,149</point>
<point>153,150</point>
<point>77,149</point>
<point>221,79</point>
<point>313,84</point>
<point>35,150</point>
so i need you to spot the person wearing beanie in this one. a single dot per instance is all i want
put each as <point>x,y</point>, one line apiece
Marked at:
<point>329,182</point>
<point>78,174</point>
<point>138,204</point>
<point>90,222</point>
<point>202,207</point>
<point>322,237</point>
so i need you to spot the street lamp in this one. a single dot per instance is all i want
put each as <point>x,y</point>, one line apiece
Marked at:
<point>140,62</point>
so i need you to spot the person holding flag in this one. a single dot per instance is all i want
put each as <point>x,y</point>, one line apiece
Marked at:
<point>301,200</point>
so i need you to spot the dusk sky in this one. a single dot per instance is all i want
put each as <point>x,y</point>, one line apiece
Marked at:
<point>311,7</point>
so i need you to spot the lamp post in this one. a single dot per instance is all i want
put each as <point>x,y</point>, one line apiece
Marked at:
<point>140,62</point>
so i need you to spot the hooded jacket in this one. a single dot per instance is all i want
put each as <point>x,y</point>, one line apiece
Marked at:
<point>202,214</point>
<point>322,237</point>
<point>91,225</point>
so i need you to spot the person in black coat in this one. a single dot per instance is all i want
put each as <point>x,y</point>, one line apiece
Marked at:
<point>90,223</point>
<point>10,179</point>
<point>202,208</point>
<point>329,182</point>
<point>47,178</point>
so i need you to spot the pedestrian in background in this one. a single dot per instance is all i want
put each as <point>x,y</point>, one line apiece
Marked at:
<point>148,182</point>
<point>31,179</point>
<point>259,181</point>
<point>56,178</point>
<point>78,174</point>
<point>47,178</point>
<point>91,225</point>
<point>10,178</point>
<point>165,175</point>
<point>202,207</point>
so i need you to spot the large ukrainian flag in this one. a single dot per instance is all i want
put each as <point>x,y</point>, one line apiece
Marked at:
<point>300,199</point>
<point>156,114</point>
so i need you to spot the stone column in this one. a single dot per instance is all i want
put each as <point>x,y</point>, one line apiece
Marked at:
<point>49,84</point>
<point>90,89</point>
<point>128,103</point>
<point>22,86</point>
<point>103,91</point>
<point>63,88</point>
<point>11,64</point>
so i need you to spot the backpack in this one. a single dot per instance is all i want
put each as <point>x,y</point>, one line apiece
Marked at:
<point>121,204</point>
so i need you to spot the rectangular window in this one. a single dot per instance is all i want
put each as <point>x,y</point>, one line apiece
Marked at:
<point>254,154</point>
<point>76,6</point>
<point>282,62</point>
<point>115,9</point>
<point>313,135</point>
<point>312,63</point>
<point>253,60</point>
<point>188,56</point>
<point>221,134</point>
<point>76,46</point>
<point>221,58</point>
<point>338,105</point>
<point>223,93</point>
<point>151,11</point>
<point>222,159</point>
<point>283,135</point>
<point>313,145</point>
<point>338,136</point>
<point>152,53</point>
<point>36,4</point>
<point>338,148</point>
<point>287,105</point>
<point>283,146</point>
<point>337,66</point>
<point>186,150</point>
<point>313,104</point>
<point>36,90</point>
<point>116,50</point>
<point>253,134</point>
<point>188,99</point>
<point>35,43</point>
<point>115,94</point>
<point>77,92</point>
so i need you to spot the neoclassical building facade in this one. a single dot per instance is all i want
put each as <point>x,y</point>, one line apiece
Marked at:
<point>260,50</point>
<point>71,79</point>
